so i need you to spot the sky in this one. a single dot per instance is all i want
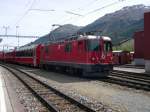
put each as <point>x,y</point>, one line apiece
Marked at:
<point>36,17</point>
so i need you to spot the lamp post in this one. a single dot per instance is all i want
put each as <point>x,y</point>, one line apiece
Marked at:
<point>6,29</point>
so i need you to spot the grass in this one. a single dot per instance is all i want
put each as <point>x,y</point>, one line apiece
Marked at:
<point>126,46</point>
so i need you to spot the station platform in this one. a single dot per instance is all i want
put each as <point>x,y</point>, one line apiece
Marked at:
<point>8,99</point>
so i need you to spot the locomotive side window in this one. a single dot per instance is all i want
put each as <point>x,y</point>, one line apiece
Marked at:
<point>93,45</point>
<point>80,46</point>
<point>68,47</point>
<point>31,52</point>
<point>107,46</point>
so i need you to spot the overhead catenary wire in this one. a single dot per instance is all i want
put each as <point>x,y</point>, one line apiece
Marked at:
<point>86,5</point>
<point>98,9</point>
<point>95,10</point>
<point>69,12</point>
<point>25,13</point>
<point>108,5</point>
<point>45,10</point>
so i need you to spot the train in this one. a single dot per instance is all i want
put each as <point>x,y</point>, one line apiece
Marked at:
<point>121,57</point>
<point>88,55</point>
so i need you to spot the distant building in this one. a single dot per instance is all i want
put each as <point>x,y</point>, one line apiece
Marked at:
<point>142,44</point>
<point>147,41</point>
<point>138,48</point>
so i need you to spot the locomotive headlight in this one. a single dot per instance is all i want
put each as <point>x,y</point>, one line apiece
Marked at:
<point>93,58</point>
<point>111,58</point>
<point>103,57</point>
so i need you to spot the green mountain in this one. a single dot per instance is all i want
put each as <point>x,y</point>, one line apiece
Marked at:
<point>59,33</point>
<point>119,25</point>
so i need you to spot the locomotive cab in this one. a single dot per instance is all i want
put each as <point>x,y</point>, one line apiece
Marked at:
<point>99,55</point>
<point>107,56</point>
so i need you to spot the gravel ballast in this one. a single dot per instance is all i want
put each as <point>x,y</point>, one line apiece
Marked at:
<point>109,96</point>
<point>117,97</point>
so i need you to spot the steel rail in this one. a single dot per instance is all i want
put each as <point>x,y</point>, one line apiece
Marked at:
<point>129,79</point>
<point>46,103</point>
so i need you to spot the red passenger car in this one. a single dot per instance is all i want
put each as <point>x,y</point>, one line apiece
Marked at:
<point>28,55</point>
<point>121,57</point>
<point>91,55</point>
<point>1,56</point>
<point>9,56</point>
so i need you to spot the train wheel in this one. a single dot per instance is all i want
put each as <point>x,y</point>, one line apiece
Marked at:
<point>43,67</point>
<point>77,72</point>
<point>69,70</point>
<point>63,69</point>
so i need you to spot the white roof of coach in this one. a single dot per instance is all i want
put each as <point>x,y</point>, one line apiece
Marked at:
<point>7,51</point>
<point>132,52</point>
<point>118,51</point>
<point>26,47</point>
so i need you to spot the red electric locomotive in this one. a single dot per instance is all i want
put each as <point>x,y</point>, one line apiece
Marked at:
<point>90,55</point>
<point>28,55</point>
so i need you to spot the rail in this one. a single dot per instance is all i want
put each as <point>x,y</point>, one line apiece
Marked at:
<point>50,97</point>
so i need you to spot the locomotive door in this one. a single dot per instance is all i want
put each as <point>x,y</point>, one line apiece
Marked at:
<point>81,52</point>
<point>34,57</point>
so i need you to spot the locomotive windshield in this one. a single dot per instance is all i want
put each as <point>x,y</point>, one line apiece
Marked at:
<point>93,45</point>
<point>107,46</point>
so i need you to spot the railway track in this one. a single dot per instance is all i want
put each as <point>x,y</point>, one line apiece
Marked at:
<point>134,80</point>
<point>51,98</point>
<point>131,66</point>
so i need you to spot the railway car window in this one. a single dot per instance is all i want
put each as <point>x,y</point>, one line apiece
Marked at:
<point>23,53</point>
<point>107,46</point>
<point>20,53</point>
<point>31,52</point>
<point>93,45</point>
<point>17,53</point>
<point>68,47</point>
<point>28,53</point>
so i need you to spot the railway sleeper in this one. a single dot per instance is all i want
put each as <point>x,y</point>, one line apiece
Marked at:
<point>132,78</point>
<point>128,83</point>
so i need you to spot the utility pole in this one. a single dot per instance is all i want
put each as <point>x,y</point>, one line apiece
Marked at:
<point>17,34</point>
<point>6,30</point>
